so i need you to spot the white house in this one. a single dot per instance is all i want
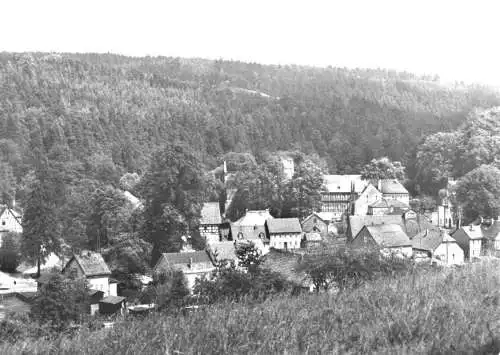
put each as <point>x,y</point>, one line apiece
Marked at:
<point>91,266</point>
<point>10,221</point>
<point>436,244</point>
<point>210,221</point>
<point>390,238</point>
<point>284,233</point>
<point>194,265</point>
<point>471,239</point>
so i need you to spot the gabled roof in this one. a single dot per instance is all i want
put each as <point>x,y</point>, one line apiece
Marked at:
<point>344,183</point>
<point>222,251</point>
<point>411,226</point>
<point>473,232</point>
<point>392,186</point>
<point>210,213</point>
<point>254,218</point>
<point>326,216</point>
<point>285,264</point>
<point>284,225</point>
<point>389,235</point>
<point>14,213</point>
<point>91,263</point>
<point>194,257</point>
<point>492,231</point>
<point>247,232</point>
<point>430,239</point>
<point>388,203</point>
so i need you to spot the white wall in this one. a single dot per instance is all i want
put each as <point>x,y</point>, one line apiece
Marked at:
<point>278,241</point>
<point>450,253</point>
<point>474,248</point>
<point>100,284</point>
<point>400,251</point>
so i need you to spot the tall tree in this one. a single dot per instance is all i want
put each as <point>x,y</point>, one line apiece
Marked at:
<point>173,189</point>
<point>478,193</point>
<point>383,168</point>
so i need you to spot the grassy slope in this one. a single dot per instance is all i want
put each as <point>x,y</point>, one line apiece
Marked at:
<point>431,312</point>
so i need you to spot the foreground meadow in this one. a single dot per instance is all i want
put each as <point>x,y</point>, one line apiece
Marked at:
<point>431,311</point>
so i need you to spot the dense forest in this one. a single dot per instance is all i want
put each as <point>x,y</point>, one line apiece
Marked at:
<point>97,107</point>
<point>76,127</point>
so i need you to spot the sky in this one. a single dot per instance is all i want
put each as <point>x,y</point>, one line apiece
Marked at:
<point>458,40</point>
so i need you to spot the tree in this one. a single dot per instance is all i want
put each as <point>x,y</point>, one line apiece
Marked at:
<point>129,254</point>
<point>7,183</point>
<point>302,193</point>
<point>9,252</point>
<point>109,216</point>
<point>173,190</point>
<point>41,229</point>
<point>129,181</point>
<point>61,301</point>
<point>478,192</point>
<point>435,161</point>
<point>169,290</point>
<point>249,255</point>
<point>383,168</point>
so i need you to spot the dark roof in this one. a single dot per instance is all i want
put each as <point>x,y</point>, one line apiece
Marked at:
<point>492,231</point>
<point>430,239</point>
<point>248,232</point>
<point>391,186</point>
<point>344,183</point>
<point>91,292</point>
<point>284,263</point>
<point>411,226</point>
<point>472,231</point>
<point>27,297</point>
<point>389,235</point>
<point>284,225</point>
<point>210,213</point>
<point>387,203</point>
<point>113,299</point>
<point>91,263</point>
<point>184,258</point>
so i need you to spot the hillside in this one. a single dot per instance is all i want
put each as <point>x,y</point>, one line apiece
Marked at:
<point>450,311</point>
<point>83,108</point>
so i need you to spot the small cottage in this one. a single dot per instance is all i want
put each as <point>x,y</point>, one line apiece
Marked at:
<point>94,269</point>
<point>436,244</point>
<point>390,238</point>
<point>392,189</point>
<point>194,265</point>
<point>319,222</point>
<point>368,196</point>
<point>284,233</point>
<point>471,240</point>
<point>210,221</point>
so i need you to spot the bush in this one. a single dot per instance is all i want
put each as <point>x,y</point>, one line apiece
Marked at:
<point>169,291</point>
<point>9,252</point>
<point>60,302</point>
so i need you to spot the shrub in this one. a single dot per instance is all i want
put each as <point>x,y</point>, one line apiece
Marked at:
<point>61,301</point>
<point>169,291</point>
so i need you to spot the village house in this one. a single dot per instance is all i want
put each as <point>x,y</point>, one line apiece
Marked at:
<point>437,244</point>
<point>392,189</point>
<point>368,196</point>
<point>10,221</point>
<point>471,239</point>
<point>390,238</point>
<point>194,265</point>
<point>91,266</point>
<point>411,223</point>
<point>385,206</point>
<point>491,234</point>
<point>319,222</point>
<point>210,221</point>
<point>340,191</point>
<point>112,305</point>
<point>284,233</point>
<point>250,226</point>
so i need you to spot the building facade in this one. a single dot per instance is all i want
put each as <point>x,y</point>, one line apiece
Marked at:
<point>284,233</point>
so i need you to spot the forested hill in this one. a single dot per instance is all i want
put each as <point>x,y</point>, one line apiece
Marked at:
<point>89,108</point>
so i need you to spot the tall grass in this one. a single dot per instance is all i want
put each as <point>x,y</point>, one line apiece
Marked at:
<point>450,311</point>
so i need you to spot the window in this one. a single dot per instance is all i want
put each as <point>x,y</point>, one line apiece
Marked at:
<point>3,223</point>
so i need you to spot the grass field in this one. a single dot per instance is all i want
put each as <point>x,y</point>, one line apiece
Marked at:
<point>438,312</point>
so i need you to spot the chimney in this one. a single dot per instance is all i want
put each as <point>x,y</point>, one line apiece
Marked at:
<point>190,262</point>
